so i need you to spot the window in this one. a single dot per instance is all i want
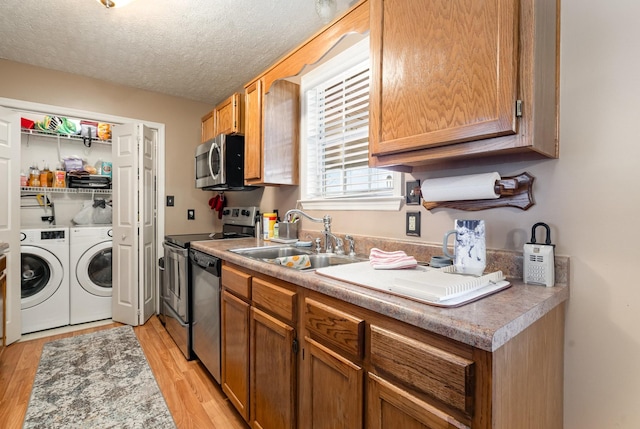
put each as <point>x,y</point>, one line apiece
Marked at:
<point>335,138</point>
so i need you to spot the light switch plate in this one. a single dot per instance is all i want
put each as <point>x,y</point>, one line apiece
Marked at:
<point>412,197</point>
<point>170,201</point>
<point>413,224</point>
<point>191,214</point>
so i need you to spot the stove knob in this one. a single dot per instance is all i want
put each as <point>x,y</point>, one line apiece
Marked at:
<point>245,213</point>
<point>226,212</point>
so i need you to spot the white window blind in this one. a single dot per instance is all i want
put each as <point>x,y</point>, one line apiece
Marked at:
<point>337,138</point>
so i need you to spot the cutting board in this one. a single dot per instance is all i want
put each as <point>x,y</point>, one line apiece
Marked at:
<point>363,274</point>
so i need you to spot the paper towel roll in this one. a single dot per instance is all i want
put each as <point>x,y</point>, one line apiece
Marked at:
<point>457,188</point>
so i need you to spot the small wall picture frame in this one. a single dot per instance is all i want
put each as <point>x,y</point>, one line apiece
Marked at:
<point>412,196</point>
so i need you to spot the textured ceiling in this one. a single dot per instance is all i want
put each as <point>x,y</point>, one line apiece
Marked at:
<point>202,50</point>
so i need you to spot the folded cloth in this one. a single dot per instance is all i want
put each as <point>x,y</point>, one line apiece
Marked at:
<point>382,260</point>
<point>299,262</point>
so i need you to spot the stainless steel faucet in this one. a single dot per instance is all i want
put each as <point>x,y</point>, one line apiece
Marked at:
<point>352,245</point>
<point>326,220</point>
<point>328,248</point>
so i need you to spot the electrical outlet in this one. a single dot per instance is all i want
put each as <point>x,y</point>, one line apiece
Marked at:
<point>170,201</point>
<point>191,214</point>
<point>413,224</point>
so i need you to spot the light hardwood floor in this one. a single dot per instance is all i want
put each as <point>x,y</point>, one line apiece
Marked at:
<point>193,397</point>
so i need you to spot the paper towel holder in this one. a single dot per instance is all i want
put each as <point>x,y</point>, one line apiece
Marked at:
<point>515,191</point>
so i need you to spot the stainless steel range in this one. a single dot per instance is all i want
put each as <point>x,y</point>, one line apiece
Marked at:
<point>178,312</point>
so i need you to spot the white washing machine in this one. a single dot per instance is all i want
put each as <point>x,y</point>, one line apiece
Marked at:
<point>91,268</point>
<point>45,278</point>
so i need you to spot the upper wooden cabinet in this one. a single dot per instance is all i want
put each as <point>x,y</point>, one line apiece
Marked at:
<point>272,133</point>
<point>253,132</point>
<point>227,117</point>
<point>453,79</point>
<point>230,116</point>
<point>208,127</point>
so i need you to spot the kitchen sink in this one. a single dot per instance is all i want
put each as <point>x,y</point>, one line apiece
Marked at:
<point>320,260</point>
<point>271,254</point>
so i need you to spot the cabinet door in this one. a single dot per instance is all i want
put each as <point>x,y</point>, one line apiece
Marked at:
<point>273,374</point>
<point>281,133</point>
<point>228,116</point>
<point>208,128</point>
<point>235,352</point>
<point>443,72</point>
<point>332,390</point>
<point>390,407</point>
<point>253,132</point>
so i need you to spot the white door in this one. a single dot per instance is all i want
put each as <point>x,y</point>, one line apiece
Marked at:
<point>147,202</point>
<point>10,216</point>
<point>134,260</point>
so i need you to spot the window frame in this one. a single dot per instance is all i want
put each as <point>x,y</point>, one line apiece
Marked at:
<point>330,68</point>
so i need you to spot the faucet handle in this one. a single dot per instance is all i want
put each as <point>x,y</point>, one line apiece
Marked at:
<point>318,245</point>
<point>339,246</point>
<point>352,245</point>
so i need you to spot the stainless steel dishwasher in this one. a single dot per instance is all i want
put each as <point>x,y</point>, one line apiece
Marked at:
<point>205,272</point>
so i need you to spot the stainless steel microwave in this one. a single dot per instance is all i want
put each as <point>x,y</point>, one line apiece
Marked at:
<point>220,164</point>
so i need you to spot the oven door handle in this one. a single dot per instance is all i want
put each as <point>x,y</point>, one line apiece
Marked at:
<point>173,314</point>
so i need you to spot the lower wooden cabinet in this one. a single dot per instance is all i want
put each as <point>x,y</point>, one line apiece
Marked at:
<point>273,372</point>
<point>235,352</point>
<point>360,369</point>
<point>446,372</point>
<point>259,348</point>
<point>390,406</point>
<point>332,397</point>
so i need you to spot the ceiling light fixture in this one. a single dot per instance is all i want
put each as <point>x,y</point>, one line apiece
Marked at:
<point>326,9</point>
<point>114,3</point>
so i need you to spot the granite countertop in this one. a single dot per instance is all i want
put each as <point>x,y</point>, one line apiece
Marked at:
<point>3,247</point>
<point>487,323</point>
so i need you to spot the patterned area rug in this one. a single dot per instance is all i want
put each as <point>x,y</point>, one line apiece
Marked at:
<point>97,380</point>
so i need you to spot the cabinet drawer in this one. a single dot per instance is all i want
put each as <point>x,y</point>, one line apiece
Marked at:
<point>273,298</point>
<point>335,327</point>
<point>3,263</point>
<point>439,373</point>
<point>236,282</point>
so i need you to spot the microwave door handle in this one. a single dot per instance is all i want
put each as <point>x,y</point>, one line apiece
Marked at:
<point>223,167</point>
<point>213,146</point>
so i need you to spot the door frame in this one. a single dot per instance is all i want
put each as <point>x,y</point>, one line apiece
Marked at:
<point>48,109</point>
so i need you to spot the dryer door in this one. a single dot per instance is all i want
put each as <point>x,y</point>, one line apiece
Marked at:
<point>42,275</point>
<point>94,269</point>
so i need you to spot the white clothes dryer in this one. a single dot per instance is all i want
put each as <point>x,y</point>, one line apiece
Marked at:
<point>91,279</point>
<point>44,254</point>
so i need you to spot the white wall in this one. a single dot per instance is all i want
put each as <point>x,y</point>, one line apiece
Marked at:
<point>600,202</point>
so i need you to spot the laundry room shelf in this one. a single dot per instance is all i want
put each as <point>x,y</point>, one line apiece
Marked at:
<point>71,137</point>
<point>65,190</point>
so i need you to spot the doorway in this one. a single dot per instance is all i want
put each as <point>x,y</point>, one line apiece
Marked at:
<point>18,106</point>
